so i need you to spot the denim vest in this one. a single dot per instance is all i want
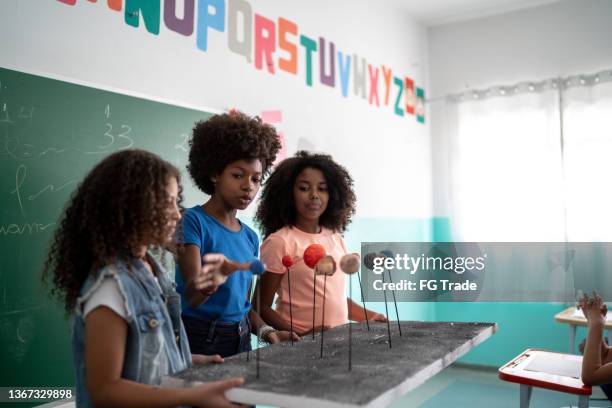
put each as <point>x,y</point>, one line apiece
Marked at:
<point>156,343</point>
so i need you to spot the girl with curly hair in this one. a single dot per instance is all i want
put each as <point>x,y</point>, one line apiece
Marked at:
<point>229,155</point>
<point>308,199</point>
<point>127,331</point>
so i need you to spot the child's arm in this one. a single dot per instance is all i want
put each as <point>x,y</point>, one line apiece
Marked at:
<point>201,359</point>
<point>606,355</point>
<point>105,337</point>
<point>266,287</point>
<point>273,337</point>
<point>594,370</point>
<point>203,280</point>
<point>357,314</point>
<point>190,265</point>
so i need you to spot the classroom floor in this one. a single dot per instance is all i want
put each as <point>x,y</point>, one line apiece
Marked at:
<point>474,387</point>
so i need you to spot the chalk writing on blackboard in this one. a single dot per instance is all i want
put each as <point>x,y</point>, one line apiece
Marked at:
<point>107,112</point>
<point>24,329</point>
<point>27,228</point>
<point>126,130</point>
<point>5,117</point>
<point>11,145</point>
<point>4,114</point>
<point>183,145</point>
<point>5,144</point>
<point>50,188</point>
<point>20,176</point>
<point>27,154</point>
<point>58,150</point>
<point>109,128</point>
<point>26,113</point>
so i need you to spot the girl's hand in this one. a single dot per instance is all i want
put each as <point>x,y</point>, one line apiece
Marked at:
<point>208,278</point>
<point>214,273</point>
<point>373,317</point>
<point>212,394</point>
<point>377,317</point>
<point>281,335</point>
<point>202,359</point>
<point>315,329</point>
<point>594,310</point>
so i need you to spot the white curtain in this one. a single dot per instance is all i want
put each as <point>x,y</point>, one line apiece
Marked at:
<point>534,166</point>
<point>587,131</point>
<point>505,168</point>
<point>531,166</point>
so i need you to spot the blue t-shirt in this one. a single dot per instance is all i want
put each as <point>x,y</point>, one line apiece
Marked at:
<point>230,302</point>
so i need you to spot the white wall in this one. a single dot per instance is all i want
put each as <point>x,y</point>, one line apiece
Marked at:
<point>559,39</point>
<point>88,42</point>
<point>568,37</point>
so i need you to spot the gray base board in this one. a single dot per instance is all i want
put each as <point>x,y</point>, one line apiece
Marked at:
<point>296,376</point>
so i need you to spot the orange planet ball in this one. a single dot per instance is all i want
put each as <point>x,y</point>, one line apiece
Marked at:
<point>313,254</point>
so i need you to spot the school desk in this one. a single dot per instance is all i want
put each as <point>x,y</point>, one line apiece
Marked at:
<point>297,376</point>
<point>540,368</point>
<point>575,318</point>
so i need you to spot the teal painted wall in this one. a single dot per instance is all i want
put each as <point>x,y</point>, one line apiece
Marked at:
<point>520,325</point>
<point>392,230</point>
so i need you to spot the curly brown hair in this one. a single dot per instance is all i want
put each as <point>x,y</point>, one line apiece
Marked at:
<point>277,208</point>
<point>121,205</point>
<point>225,138</point>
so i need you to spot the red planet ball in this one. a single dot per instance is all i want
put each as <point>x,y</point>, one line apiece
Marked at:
<point>287,261</point>
<point>313,254</point>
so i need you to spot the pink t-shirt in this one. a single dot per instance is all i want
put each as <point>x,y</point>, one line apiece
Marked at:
<point>292,241</point>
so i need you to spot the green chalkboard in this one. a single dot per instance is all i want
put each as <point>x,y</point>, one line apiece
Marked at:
<point>52,132</point>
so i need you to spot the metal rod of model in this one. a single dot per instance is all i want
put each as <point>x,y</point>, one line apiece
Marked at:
<point>314,301</point>
<point>326,267</point>
<point>386,309</point>
<point>258,268</point>
<point>312,255</point>
<point>389,254</point>
<point>288,263</point>
<point>349,264</point>
<point>369,261</point>
<point>363,303</point>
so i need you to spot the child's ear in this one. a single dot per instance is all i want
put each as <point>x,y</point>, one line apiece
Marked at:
<point>214,178</point>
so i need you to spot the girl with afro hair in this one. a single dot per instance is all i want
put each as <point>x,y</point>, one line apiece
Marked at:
<point>230,155</point>
<point>308,199</point>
